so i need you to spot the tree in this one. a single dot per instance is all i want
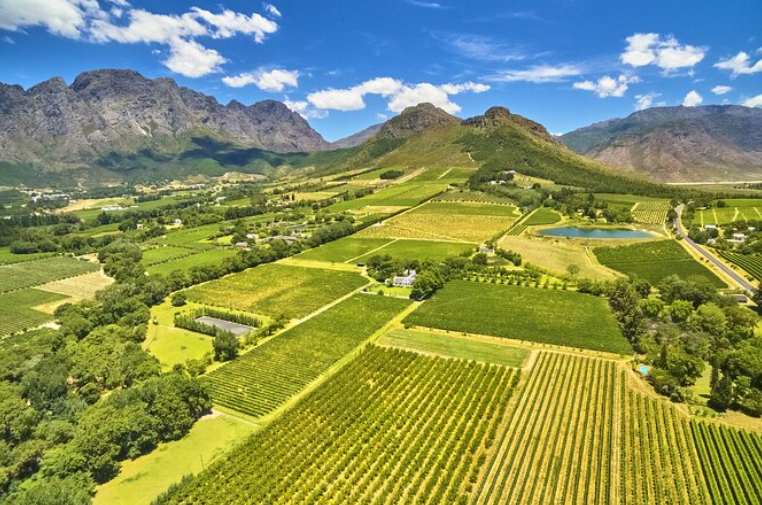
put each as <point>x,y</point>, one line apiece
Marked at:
<point>225,346</point>
<point>179,299</point>
<point>573,269</point>
<point>624,301</point>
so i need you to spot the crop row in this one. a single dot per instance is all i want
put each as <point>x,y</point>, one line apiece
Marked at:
<point>261,380</point>
<point>392,427</point>
<point>16,313</point>
<point>651,212</point>
<point>752,263</point>
<point>33,273</point>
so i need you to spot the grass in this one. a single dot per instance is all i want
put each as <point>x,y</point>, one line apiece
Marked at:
<point>542,216</point>
<point>448,346</point>
<point>278,289</point>
<point>264,378</point>
<point>159,254</point>
<point>421,250</point>
<point>556,256</point>
<point>343,250</point>
<point>7,257</point>
<point>553,317</point>
<point>33,273</point>
<point>143,479</point>
<point>654,261</point>
<point>185,263</point>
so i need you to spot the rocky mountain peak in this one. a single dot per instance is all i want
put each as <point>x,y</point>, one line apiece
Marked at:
<point>496,117</point>
<point>415,119</point>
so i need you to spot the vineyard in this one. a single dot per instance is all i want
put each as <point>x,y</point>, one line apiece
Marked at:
<point>752,263</point>
<point>523,313</point>
<point>469,228</point>
<point>654,261</point>
<point>277,289</point>
<point>343,250</point>
<point>392,427</point>
<point>81,287</point>
<point>185,263</point>
<point>651,212</point>
<point>421,250</point>
<point>542,216</point>
<point>32,273</point>
<point>261,380</point>
<point>17,314</point>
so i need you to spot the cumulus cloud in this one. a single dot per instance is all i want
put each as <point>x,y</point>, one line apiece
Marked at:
<point>303,108</point>
<point>646,101</point>
<point>539,74</point>
<point>739,64</point>
<point>755,101</point>
<point>272,10</point>
<point>274,81</point>
<point>400,95</point>
<point>87,20</point>
<point>607,86</point>
<point>692,99</point>
<point>721,90</point>
<point>665,52</point>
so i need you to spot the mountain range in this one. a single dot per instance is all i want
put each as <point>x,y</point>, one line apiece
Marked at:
<point>678,144</point>
<point>115,125</point>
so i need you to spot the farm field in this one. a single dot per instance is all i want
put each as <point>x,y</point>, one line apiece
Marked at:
<point>343,249</point>
<point>421,250</point>
<point>556,256</point>
<point>81,287</point>
<point>472,197</point>
<point>654,261</point>
<point>143,479</point>
<point>17,314</point>
<point>539,315</point>
<point>466,228</point>
<point>267,376</point>
<point>7,257</point>
<point>189,237</point>
<point>737,209</point>
<point>467,209</point>
<point>276,289</point>
<point>450,346</point>
<point>33,273</point>
<point>166,253</point>
<point>752,263</point>
<point>185,263</point>
<point>407,194</point>
<point>542,216</point>
<point>390,427</point>
<point>644,210</point>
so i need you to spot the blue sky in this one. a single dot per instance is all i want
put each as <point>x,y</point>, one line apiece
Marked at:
<point>346,65</point>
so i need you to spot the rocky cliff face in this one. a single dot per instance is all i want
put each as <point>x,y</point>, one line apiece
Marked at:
<point>415,119</point>
<point>120,111</point>
<point>500,116</point>
<point>679,144</point>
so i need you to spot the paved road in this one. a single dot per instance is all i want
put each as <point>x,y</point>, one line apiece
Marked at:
<point>708,255</point>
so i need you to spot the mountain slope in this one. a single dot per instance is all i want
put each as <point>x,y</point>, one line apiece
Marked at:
<point>679,144</point>
<point>357,138</point>
<point>119,111</point>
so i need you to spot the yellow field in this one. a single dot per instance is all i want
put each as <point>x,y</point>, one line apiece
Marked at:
<point>81,287</point>
<point>464,228</point>
<point>556,256</point>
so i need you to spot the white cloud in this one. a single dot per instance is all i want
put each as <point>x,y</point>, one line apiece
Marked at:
<point>426,5</point>
<point>191,59</point>
<point>303,108</point>
<point>753,102</point>
<point>296,106</point>
<point>479,47</point>
<point>692,99</point>
<point>86,20</point>
<point>272,10</point>
<point>721,90</point>
<point>381,117</point>
<point>273,80</point>
<point>646,101</point>
<point>539,74</point>
<point>8,40</point>
<point>739,65</point>
<point>400,95</point>
<point>665,52</point>
<point>607,86</point>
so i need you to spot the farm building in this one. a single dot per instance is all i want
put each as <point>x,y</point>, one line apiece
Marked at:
<point>404,281</point>
<point>112,208</point>
<point>484,248</point>
<point>710,226</point>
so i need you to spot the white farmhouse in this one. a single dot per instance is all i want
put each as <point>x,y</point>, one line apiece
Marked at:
<point>404,281</point>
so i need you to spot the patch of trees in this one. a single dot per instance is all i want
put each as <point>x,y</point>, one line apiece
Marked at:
<point>391,175</point>
<point>509,255</point>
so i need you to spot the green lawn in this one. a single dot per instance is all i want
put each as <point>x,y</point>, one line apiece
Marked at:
<point>204,258</point>
<point>142,480</point>
<point>654,261</point>
<point>278,289</point>
<point>421,250</point>
<point>450,346</point>
<point>343,249</point>
<point>554,317</point>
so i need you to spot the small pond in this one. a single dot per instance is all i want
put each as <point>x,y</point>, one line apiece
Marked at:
<point>576,232</point>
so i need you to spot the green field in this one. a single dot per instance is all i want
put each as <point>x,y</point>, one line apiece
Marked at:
<point>33,273</point>
<point>654,261</point>
<point>189,237</point>
<point>542,216</point>
<point>141,480</point>
<point>160,254</point>
<point>540,315</point>
<point>752,263</point>
<point>7,257</point>
<point>185,263</point>
<point>16,313</point>
<point>406,194</point>
<point>264,378</point>
<point>343,249</point>
<point>450,346</point>
<point>275,289</point>
<point>421,250</point>
<point>394,425</point>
